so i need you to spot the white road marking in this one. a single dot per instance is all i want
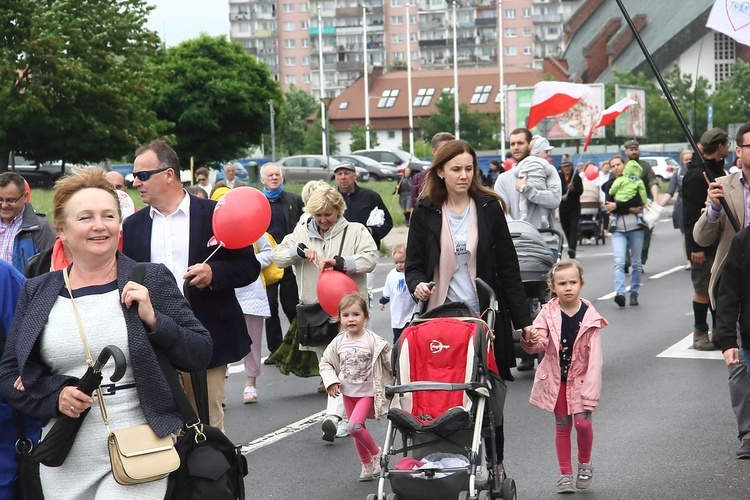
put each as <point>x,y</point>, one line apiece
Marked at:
<point>684,350</point>
<point>282,433</point>
<point>612,294</point>
<point>606,254</point>
<point>667,272</point>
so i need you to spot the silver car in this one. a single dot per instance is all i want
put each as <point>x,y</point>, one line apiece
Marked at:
<point>304,168</point>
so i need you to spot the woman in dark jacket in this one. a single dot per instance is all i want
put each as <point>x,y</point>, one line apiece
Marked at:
<point>458,233</point>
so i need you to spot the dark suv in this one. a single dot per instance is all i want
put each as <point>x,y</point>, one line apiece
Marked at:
<point>37,175</point>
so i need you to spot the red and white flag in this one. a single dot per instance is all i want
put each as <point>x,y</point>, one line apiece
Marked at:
<point>608,116</point>
<point>732,18</point>
<point>553,98</point>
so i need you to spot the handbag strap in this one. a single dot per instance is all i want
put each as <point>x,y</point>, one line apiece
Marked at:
<point>178,392</point>
<point>343,237</point>
<point>84,341</point>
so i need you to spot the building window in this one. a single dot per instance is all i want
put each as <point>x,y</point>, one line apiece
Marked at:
<point>303,25</point>
<point>243,27</point>
<point>289,26</point>
<point>290,61</point>
<point>397,20</point>
<point>552,30</point>
<point>290,79</point>
<point>511,51</point>
<point>526,50</point>
<point>723,47</point>
<point>526,31</point>
<point>343,104</point>
<point>510,32</point>
<point>288,7</point>
<point>481,94</point>
<point>722,71</point>
<point>448,90</point>
<point>396,3</point>
<point>305,61</point>
<point>290,43</point>
<point>388,98</point>
<point>526,12</point>
<point>397,38</point>
<point>398,56</point>
<point>391,134</point>
<point>510,13</point>
<point>424,96</point>
<point>305,43</point>
<point>306,78</point>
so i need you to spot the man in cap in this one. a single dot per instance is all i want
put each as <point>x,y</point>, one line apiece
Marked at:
<point>363,205</point>
<point>715,144</point>
<point>633,152</point>
<point>713,227</point>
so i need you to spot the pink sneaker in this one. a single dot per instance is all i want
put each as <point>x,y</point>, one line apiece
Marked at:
<point>250,395</point>
<point>375,463</point>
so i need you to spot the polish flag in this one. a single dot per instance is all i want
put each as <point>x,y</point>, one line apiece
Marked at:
<point>608,116</point>
<point>553,98</point>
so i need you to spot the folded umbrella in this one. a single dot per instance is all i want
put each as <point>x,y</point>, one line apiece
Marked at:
<point>56,445</point>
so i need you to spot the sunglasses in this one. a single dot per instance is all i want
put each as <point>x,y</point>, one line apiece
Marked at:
<point>145,175</point>
<point>201,179</point>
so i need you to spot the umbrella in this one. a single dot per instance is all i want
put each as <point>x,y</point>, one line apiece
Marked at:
<point>56,445</point>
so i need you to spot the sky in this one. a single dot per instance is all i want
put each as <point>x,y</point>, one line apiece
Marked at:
<point>180,20</point>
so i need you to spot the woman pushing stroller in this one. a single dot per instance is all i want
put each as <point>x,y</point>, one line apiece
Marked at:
<point>458,233</point>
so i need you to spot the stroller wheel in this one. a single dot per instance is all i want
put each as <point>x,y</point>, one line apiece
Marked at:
<point>508,491</point>
<point>391,496</point>
<point>464,495</point>
<point>484,495</point>
<point>372,496</point>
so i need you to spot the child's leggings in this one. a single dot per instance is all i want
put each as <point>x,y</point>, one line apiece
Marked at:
<point>584,433</point>
<point>357,409</point>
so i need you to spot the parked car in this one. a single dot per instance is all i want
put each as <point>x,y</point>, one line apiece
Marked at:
<point>304,168</point>
<point>395,158</point>
<point>664,166</point>
<point>42,175</point>
<point>377,170</point>
<point>241,173</point>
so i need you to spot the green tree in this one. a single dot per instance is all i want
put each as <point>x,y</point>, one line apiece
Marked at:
<point>75,79</point>
<point>358,138</point>
<point>476,128</point>
<point>292,125</point>
<point>216,95</point>
<point>314,140</point>
<point>731,102</point>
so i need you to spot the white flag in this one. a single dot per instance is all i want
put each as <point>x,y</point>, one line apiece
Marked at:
<point>731,17</point>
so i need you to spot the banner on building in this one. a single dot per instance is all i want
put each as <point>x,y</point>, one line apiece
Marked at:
<point>731,17</point>
<point>573,124</point>
<point>632,123</point>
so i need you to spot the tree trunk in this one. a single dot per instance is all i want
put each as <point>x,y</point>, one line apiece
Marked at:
<point>4,156</point>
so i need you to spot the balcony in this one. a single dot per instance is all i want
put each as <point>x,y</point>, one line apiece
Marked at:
<point>349,66</point>
<point>548,19</point>
<point>327,30</point>
<point>433,43</point>
<point>487,21</point>
<point>466,41</point>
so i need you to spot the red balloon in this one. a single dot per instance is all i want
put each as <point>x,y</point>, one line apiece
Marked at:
<point>592,173</point>
<point>28,190</point>
<point>241,217</point>
<point>332,287</point>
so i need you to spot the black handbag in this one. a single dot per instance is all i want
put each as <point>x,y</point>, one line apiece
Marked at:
<point>211,466</point>
<point>313,327</point>
<point>28,483</point>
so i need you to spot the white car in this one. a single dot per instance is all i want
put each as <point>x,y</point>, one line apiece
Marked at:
<point>664,166</point>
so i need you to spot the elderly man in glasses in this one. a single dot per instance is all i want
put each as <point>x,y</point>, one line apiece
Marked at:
<point>23,232</point>
<point>231,181</point>
<point>175,230</point>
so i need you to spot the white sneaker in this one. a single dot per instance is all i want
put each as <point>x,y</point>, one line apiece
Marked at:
<point>375,464</point>
<point>341,428</point>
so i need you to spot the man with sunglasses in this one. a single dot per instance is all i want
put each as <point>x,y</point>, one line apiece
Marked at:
<point>23,232</point>
<point>175,230</point>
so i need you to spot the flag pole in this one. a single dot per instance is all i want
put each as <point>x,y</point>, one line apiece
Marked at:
<point>676,111</point>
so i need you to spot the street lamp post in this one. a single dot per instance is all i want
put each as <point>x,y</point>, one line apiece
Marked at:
<point>456,117</point>
<point>273,131</point>
<point>324,132</point>
<point>501,90</point>
<point>408,80</point>
<point>366,67</point>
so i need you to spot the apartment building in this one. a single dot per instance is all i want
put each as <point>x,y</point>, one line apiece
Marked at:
<point>549,18</point>
<point>287,36</point>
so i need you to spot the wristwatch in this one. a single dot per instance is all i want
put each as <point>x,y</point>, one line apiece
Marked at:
<point>523,188</point>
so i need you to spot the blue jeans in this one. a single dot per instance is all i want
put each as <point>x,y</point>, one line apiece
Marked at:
<point>620,243</point>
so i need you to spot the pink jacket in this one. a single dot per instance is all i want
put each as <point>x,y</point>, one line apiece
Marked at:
<point>585,372</point>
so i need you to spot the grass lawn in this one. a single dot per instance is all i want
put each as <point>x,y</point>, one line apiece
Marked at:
<point>41,199</point>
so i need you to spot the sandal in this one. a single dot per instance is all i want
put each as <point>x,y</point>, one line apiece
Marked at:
<point>585,475</point>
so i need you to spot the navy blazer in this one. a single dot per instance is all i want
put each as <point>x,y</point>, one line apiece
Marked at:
<point>215,306</point>
<point>185,341</point>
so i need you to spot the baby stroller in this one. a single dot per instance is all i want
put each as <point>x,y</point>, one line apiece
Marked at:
<point>536,256</point>
<point>591,222</point>
<point>448,398</point>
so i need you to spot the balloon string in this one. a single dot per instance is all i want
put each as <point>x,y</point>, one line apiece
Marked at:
<point>214,252</point>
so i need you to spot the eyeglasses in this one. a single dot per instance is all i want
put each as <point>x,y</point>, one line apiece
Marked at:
<point>743,145</point>
<point>11,201</point>
<point>145,175</point>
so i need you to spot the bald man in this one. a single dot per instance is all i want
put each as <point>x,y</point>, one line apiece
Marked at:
<point>117,180</point>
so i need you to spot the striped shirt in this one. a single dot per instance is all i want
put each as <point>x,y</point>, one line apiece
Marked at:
<point>8,236</point>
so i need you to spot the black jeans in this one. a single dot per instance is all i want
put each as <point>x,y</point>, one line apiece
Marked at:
<point>287,288</point>
<point>569,223</point>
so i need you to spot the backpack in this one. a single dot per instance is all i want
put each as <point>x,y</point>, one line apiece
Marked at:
<point>271,274</point>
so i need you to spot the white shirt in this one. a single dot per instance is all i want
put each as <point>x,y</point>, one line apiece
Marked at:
<point>402,304</point>
<point>170,239</point>
<point>207,188</point>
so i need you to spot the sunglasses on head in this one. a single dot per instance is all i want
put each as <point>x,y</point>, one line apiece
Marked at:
<point>145,175</point>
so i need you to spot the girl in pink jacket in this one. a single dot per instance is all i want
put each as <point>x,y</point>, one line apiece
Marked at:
<point>569,378</point>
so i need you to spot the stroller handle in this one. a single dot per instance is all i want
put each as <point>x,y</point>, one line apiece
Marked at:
<point>421,306</point>
<point>120,362</point>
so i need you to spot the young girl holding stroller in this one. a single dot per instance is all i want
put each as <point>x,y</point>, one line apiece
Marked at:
<point>568,333</point>
<point>356,366</point>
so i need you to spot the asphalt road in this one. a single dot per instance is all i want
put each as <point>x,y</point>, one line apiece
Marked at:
<point>664,428</point>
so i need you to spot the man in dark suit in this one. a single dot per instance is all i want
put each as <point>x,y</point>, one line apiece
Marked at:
<point>286,210</point>
<point>175,231</point>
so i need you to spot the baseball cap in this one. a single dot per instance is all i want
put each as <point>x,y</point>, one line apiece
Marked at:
<point>348,166</point>
<point>566,163</point>
<point>632,143</point>
<point>712,136</point>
